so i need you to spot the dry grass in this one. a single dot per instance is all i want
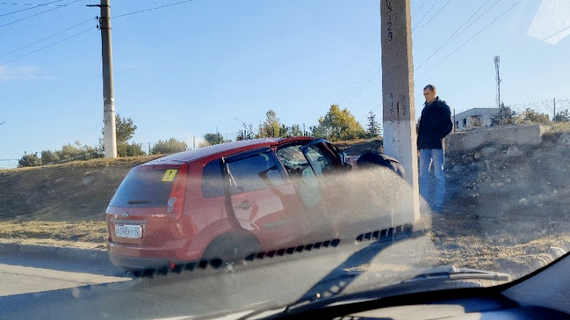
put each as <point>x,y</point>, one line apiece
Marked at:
<point>93,163</point>
<point>54,232</point>
<point>559,127</point>
<point>357,141</point>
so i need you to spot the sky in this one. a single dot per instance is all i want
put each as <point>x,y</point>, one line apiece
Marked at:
<point>209,65</point>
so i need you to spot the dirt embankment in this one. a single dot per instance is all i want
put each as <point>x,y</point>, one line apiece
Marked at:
<point>73,191</point>
<point>508,207</point>
<point>60,204</point>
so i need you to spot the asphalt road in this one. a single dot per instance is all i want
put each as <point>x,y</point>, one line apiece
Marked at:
<point>65,290</point>
<point>22,279</point>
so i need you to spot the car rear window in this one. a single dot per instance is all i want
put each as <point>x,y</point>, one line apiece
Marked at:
<point>146,186</point>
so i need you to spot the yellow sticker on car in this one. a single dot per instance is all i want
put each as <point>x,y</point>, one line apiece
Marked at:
<point>169,175</point>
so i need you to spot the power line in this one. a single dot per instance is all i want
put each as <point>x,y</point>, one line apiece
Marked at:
<point>38,14</point>
<point>27,4</point>
<point>436,14</point>
<point>53,35</point>
<point>470,21</point>
<point>483,29</point>
<point>420,21</point>
<point>422,5</point>
<point>30,8</point>
<point>489,9</point>
<point>53,44</point>
<point>151,9</point>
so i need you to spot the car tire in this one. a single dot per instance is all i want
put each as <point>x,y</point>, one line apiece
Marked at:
<point>231,248</point>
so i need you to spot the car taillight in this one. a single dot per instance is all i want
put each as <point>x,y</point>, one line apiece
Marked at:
<point>176,198</point>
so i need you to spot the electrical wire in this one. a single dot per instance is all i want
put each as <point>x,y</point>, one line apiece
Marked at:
<point>37,14</point>
<point>420,21</point>
<point>53,35</point>
<point>151,9</point>
<point>438,12</point>
<point>30,8</point>
<point>470,21</point>
<point>53,44</point>
<point>76,25</point>
<point>492,22</point>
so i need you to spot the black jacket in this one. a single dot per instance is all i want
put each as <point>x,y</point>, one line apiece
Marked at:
<point>435,124</point>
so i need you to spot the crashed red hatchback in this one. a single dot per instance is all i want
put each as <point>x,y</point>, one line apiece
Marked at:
<point>224,201</point>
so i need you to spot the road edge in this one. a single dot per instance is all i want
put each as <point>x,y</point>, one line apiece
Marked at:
<point>67,253</point>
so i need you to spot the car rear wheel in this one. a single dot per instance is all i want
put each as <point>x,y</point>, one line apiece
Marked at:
<point>230,248</point>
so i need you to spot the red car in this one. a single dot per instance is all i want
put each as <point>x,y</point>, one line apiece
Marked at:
<point>227,200</point>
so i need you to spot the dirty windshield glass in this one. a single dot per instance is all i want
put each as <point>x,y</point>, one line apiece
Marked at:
<point>166,159</point>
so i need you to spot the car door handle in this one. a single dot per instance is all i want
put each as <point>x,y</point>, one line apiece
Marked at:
<point>244,205</point>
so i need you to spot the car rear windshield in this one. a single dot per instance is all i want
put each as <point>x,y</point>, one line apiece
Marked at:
<point>146,186</point>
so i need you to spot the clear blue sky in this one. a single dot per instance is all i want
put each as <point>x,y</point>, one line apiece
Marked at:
<point>191,69</point>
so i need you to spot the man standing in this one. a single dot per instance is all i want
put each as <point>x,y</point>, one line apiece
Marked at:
<point>435,123</point>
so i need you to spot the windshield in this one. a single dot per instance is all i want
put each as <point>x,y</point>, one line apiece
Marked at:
<point>165,159</point>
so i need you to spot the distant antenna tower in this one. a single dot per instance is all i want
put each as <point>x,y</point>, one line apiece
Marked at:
<point>497,69</point>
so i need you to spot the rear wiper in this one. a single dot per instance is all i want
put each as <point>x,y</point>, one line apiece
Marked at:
<point>138,201</point>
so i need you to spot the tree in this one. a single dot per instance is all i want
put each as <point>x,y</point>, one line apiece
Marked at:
<point>562,116</point>
<point>246,133</point>
<point>76,151</point>
<point>48,157</point>
<point>505,116</point>
<point>29,160</point>
<point>284,131</point>
<point>531,116</point>
<point>374,127</point>
<point>124,128</point>
<point>213,138</point>
<point>130,150</point>
<point>295,130</point>
<point>271,126</point>
<point>169,146</point>
<point>338,125</point>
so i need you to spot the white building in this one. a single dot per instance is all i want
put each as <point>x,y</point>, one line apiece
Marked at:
<point>475,118</point>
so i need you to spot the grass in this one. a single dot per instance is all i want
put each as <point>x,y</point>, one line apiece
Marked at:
<point>357,141</point>
<point>93,163</point>
<point>559,127</point>
<point>54,232</point>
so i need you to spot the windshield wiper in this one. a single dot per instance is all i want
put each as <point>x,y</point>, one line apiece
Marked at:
<point>454,273</point>
<point>421,282</point>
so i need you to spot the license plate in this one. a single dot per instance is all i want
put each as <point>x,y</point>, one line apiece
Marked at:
<point>129,231</point>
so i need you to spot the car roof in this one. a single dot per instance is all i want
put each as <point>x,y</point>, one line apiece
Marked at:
<point>225,148</point>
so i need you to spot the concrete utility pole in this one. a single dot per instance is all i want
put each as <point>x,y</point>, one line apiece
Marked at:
<point>454,120</point>
<point>554,101</point>
<point>398,91</point>
<point>497,69</point>
<point>109,133</point>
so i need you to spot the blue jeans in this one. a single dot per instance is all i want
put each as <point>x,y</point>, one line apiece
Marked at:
<point>435,158</point>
